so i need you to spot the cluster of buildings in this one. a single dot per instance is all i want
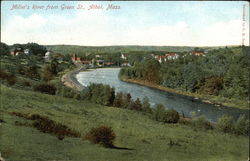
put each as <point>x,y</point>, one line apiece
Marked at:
<point>173,56</point>
<point>18,51</point>
<point>98,61</point>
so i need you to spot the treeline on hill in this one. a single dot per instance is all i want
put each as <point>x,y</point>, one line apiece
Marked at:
<point>223,72</point>
<point>85,50</point>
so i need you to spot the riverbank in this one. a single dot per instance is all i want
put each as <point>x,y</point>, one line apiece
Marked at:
<point>216,100</point>
<point>69,79</point>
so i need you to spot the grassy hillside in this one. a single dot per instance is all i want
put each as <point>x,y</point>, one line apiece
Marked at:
<point>146,139</point>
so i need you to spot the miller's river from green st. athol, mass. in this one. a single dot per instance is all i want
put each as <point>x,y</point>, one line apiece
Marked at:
<point>183,104</point>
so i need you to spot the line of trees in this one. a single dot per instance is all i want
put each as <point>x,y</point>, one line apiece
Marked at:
<point>223,72</point>
<point>105,95</point>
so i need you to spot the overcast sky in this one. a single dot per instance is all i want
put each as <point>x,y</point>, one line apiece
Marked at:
<point>204,23</point>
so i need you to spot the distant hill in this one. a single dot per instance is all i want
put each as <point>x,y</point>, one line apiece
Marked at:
<point>65,49</point>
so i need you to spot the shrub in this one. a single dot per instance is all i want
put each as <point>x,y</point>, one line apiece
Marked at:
<point>67,92</point>
<point>159,112</point>
<point>26,83</point>
<point>136,105</point>
<point>225,124</point>
<point>146,105</point>
<point>201,123</point>
<point>185,121</point>
<point>32,72</point>
<point>171,116</point>
<point>11,79</point>
<point>103,135</point>
<point>45,125</point>
<point>45,88</point>
<point>21,69</point>
<point>241,127</point>
<point>3,74</point>
<point>100,94</point>
<point>118,101</point>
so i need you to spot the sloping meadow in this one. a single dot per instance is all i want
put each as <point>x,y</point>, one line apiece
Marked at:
<point>139,136</point>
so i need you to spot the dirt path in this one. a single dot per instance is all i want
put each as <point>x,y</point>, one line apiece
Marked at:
<point>69,79</point>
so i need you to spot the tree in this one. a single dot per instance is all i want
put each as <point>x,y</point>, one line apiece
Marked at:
<point>47,73</point>
<point>136,105</point>
<point>146,105</point>
<point>171,116</point>
<point>152,71</point>
<point>118,101</point>
<point>225,124</point>
<point>127,100</point>
<point>36,49</point>
<point>103,135</point>
<point>4,49</point>
<point>159,112</point>
<point>241,127</point>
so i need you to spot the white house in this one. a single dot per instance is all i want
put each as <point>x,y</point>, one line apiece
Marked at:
<point>48,55</point>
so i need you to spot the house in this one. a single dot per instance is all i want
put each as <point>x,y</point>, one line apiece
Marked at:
<point>123,56</point>
<point>80,60</point>
<point>160,58</point>
<point>17,51</point>
<point>125,64</point>
<point>172,56</point>
<point>76,59</point>
<point>27,51</point>
<point>87,62</point>
<point>100,63</point>
<point>47,55</point>
<point>108,63</point>
<point>197,53</point>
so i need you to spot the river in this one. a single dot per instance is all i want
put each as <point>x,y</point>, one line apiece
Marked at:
<point>183,104</point>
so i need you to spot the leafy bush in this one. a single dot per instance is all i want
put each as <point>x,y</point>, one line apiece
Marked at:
<point>136,105</point>
<point>146,105</point>
<point>225,124</point>
<point>159,112</point>
<point>171,116</point>
<point>163,115</point>
<point>3,74</point>
<point>45,125</point>
<point>201,123</point>
<point>241,126</point>
<point>32,72</point>
<point>185,121</point>
<point>66,91</point>
<point>118,101</point>
<point>47,73</point>
<point>26,83</point>
<point>45,88</point>
<point>11,79</point>
<point>100,94</point>
<point>103,135</point>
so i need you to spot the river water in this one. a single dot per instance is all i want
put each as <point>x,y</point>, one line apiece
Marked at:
<point>183,104</point>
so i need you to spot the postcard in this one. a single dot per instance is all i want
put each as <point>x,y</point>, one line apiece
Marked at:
<point>124,80</point>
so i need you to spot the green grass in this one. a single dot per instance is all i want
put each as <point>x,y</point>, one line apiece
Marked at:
<point>149,139</point>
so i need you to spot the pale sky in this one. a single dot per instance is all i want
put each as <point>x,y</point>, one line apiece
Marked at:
<point>161,23</point>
